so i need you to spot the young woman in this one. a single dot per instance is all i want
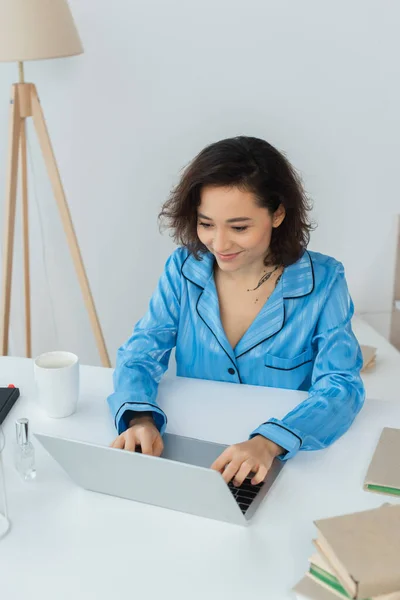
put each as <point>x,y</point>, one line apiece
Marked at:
<point>242,300</point>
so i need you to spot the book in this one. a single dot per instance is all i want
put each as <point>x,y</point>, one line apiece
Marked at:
<point>322,572</point>
<point>369,357</point>
<point>363,549</point>
<point>383,474</point>
<point>309,588</point>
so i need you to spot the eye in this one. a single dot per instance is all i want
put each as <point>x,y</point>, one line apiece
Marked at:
<point>239,229</point>
<point>205,225</point>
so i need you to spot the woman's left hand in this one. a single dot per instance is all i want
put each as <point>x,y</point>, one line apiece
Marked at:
<point>254,456</point>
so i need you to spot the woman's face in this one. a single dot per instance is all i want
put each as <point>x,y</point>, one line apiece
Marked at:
<point>234,227</point>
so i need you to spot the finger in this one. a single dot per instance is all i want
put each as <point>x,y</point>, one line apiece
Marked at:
<point>231,470</point>
<point>119,442</point>
<point>242,473</point>
<point>130,440</point>
<point>260,475</point>
<point>146,442</point>
<point>223,459</point>
<point>158,446</point>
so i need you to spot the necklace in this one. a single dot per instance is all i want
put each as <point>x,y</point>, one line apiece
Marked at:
<point>265,278</point>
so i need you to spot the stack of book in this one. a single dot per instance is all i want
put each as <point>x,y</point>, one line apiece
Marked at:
<point>357,556</point>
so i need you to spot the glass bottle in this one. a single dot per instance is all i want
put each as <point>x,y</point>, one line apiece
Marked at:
<point>4,522</point>
<point>25,452</point>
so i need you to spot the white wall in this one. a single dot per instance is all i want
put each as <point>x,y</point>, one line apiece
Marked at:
<point>158,81</point>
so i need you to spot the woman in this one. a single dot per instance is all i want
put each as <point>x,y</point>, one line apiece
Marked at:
<point>243,301</point>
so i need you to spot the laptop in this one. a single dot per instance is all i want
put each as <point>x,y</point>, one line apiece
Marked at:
<point>180,480</point>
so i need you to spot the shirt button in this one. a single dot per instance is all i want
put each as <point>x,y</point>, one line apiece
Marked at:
<point>231,371</point>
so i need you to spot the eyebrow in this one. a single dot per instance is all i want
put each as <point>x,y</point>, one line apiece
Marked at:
<point>234,220</point>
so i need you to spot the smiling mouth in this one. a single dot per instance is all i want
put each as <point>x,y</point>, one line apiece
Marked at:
<point>227,256</point>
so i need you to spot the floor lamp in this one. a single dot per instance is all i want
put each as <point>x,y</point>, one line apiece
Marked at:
<point>36,30</point>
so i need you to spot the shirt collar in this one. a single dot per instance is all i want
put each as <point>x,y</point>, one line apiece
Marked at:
<point>297,279</point>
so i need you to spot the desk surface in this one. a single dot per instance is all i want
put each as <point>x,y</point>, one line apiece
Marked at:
<point>66,542</point>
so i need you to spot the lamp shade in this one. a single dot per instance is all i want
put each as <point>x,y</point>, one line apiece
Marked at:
<point>37,29</point>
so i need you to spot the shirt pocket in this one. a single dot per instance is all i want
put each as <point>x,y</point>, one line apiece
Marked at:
<point>288,364</point>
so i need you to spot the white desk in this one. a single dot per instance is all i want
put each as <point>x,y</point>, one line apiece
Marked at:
<point>67,543</point>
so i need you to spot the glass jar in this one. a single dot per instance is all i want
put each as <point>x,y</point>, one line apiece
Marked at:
<point>4,522</point>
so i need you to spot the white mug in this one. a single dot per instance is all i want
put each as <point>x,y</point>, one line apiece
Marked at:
<point>57,383</point>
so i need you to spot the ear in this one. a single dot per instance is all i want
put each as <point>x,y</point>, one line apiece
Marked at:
<point>278,216</point>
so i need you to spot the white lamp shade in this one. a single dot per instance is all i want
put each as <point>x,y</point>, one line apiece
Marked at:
<point>37,29</point>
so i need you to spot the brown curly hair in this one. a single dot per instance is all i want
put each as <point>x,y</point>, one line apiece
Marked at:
<point>250,164</point>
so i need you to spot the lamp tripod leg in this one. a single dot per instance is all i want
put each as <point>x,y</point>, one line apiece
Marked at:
<point>9,221</point>
<point>54,176</point>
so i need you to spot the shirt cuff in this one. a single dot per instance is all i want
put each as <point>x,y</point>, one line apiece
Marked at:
<point>124,415</point>
<point>282,436</point>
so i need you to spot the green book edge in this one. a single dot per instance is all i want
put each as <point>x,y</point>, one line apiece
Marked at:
<point>329,580</point>
<point>383,489</point>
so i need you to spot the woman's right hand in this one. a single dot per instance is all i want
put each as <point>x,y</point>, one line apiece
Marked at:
<point>142,432</point>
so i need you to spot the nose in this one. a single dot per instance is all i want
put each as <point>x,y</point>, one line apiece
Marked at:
<point>221,243</point>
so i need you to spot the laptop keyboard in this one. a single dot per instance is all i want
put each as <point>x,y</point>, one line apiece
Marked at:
<point>245,494</point>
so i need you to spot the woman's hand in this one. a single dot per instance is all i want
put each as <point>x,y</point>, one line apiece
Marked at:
<point>254,456</point>
<point>142,432</point>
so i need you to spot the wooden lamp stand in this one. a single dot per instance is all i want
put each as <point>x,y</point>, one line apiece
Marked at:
<point>25,104</point>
